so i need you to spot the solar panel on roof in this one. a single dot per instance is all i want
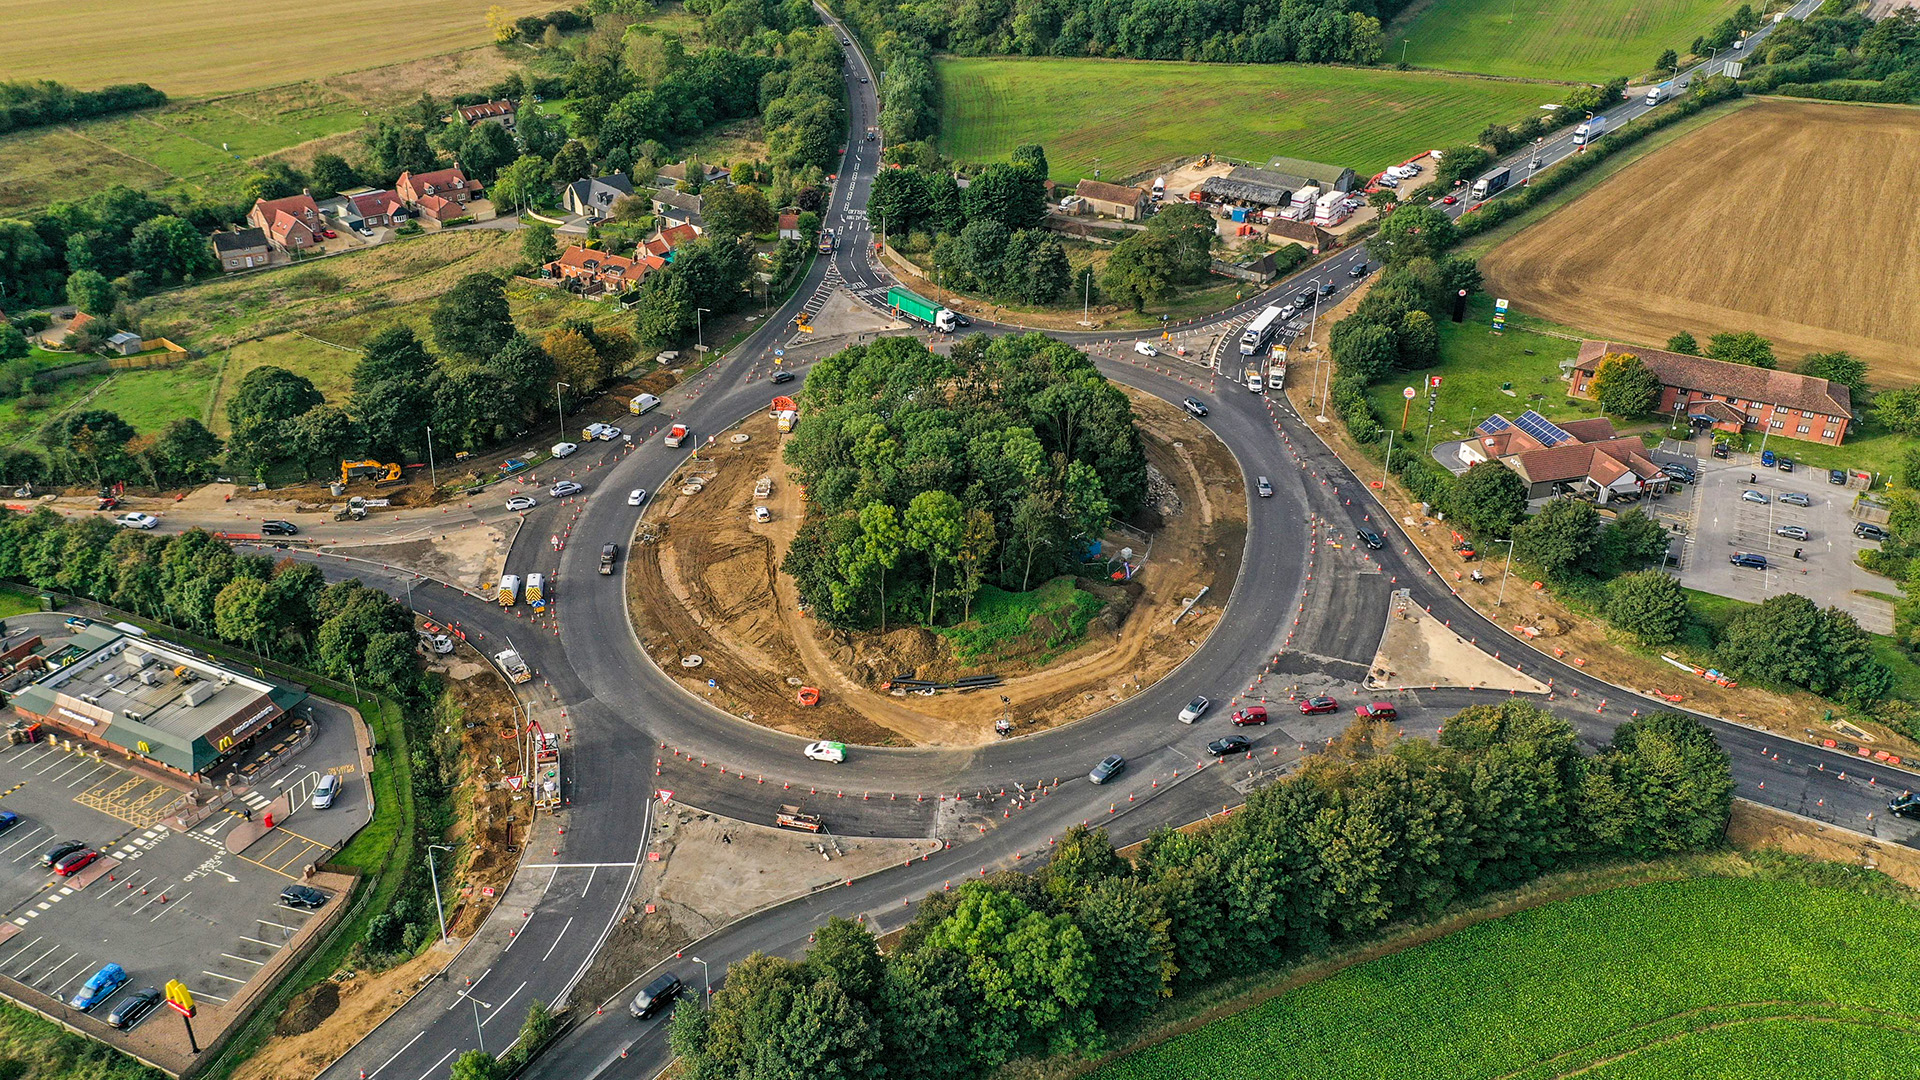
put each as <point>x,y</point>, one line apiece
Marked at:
<point>1543,430</point>
<point>1495,424</point>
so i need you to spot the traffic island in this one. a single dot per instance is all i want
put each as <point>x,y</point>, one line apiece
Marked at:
<point>1418,650</point>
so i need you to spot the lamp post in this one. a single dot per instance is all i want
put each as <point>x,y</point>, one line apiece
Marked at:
<point>1313,323</point>
<point>433,873</point>
<point>561,408</point>
<point>699,330</point>
<point>1503,579</point>
<point>481,1035</point>
<point>433,474</point>
<point>705,981</point>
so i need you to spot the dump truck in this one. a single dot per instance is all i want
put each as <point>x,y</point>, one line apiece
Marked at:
<point>676,434</point>
<point>511,664</point>
<point>546,765</point>
<point>537,591</point>
<point>509,592</point>
<point>1493,183</point>
<point>905,302</point>
<point>381,473</point>
<point>791,817</point>
<point>608,553</point>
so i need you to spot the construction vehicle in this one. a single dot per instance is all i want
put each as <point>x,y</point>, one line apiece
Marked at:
<point>546,766</point>
<point>509,591</point>
<point>763,487</point>
<point>537,592</point>
<point>906,302</point>
<point>510,663</point>
<point>785,414</point>
<point>1277,368</point>
<point>355,510</point>
<point>441,644</point>
<point>790,817</point>
<point>676,434</point>
<point>1255,382</point>
<point>381,473</point>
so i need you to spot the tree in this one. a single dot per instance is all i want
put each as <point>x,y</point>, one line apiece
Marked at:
<point>1033,971</point>
<point>1490,498</point>
<point>501,23</point>
<point>878,550</point>
<point>331,175</point>
<point>1898,410</point>
<point>976,544</point>
<point>13,343</point>
<point>573,162</point>
<point>91,292</point>
<point>737,211</point>
<point>473,320</point>
<point>1839,367</point>
<point>1778,641</point>
<point>1667,61</point>
<point>1631,541</point>
<point>169,250</point>
<point>1648,604</point>
<point>1852,675</point>
<point>266,399</point>
<point>575,360</point>
<point>1139,272</point>
<point>393,387</point>
<point>520,184</point>
<point>487,149</point>
<point>1560,538</point>
<point>478,1064</point>
<point>934,524</point>
<point>1683,342</point>
<point>1007,194</point>
<point>1625,386</point>
<point>188,450</point>
<point>523,378</point>
<point>1663,785</point>
<point>244,612</point>
<point>666,308</point>
<point>1744,347</point>
<point>97,439</point>
<point>537,245</point>
<point>1414,232</point>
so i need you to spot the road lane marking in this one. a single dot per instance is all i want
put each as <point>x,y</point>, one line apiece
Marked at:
<point>502,1006</point>
<point>469,989</point>
<point>435,1067</point>
<point>396,1056</point>
<point>556,939</point>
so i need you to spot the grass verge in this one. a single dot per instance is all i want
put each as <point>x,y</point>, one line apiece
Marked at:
<point>1043,620</point>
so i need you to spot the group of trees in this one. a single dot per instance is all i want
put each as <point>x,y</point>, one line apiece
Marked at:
<point>38,104</point>
<point>115,243</point>
<point>929,477</point>
<point>96,446</point>
<point>1057,961</point>
<point>1844,55</point>
<point>1175,250</point>
<point>988,239</point>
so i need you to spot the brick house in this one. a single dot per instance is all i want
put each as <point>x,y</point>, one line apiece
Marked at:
<point>790,227</point>
<point>596,273</point>
<point>499,112</point>
<point>242,249</point>
<point>375,209</point>
<point>436,211</point>
<point>1305,233</point>
<point>1581,457</point>
<point>451,185</point>
<point>291,224</point>
<point>1113,200</point>
<point>1732,397</point>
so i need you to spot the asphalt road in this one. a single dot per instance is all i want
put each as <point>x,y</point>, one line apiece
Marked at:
<point>998,804</point>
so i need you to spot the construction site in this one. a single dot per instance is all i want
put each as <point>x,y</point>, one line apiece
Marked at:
<point>714,611</point>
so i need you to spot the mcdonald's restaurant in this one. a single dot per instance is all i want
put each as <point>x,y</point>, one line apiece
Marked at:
<point>134,696</point>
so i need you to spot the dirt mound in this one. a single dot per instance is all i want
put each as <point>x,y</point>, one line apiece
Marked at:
<point>308,1008</point>
<point>913,651</point>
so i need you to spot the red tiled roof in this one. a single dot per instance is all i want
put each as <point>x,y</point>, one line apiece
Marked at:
<point>380,202</point>
<point>679,234</point>
<point>80,319</point>
<point>414,185</point>
<point>486,110</point>
<point>301,206</point>
<point>436,207</point>
<point>284,227</point>
<point>1567,462</point>
<point>1592,429</point>
<point>789,222</point>
<point>1784,388</point>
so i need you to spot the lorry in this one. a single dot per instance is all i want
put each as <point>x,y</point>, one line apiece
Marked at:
<point>546,765</point>
<point>608,553</point>
<point>509,592</point>
<point>785,414</point>
<point>1656,94</point>
<point>905,302</point>
<point>643,404</point>
<point>1590,131</point>
<point>1277,369</point>
<point>791,817</point>
<point>1254,381</point>
<point>676,434</point>
<point>1493,183</point>
<point>514,667</point>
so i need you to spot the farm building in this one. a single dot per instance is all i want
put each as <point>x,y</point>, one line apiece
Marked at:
<point>1325,177</point>
<point>499,112</point>
<point>1113,200</point>
<point>1741,398</point>
<point>1304,233</point>
<point>1581,457</point>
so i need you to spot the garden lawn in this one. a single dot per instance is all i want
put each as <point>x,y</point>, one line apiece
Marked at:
<point>1589,40</point>
<point>151,398</point>
<point>1712,976</point>
<point>1130,115</point>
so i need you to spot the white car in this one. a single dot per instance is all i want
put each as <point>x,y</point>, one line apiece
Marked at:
<point>636,496</point>
<point>1145,349</point>
<point>1195,708</point>
<point>136,521</point>
<point>762,515</point>
<point>608,433</point>
<point>521,502</point>
<point>564,488</point>
<point>328,790</point>
<point>832,752</point>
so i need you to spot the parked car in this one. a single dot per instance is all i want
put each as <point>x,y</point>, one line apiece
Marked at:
<point>1372,539</point>
<point>1786,463</point>
<point>1251,715</point>
<point>1768,458</point>
<point>303,896</point>
<point>1313,706</point>
<point>1326,287</point>
<point>1867,530</point>
<point>327,791</point>
<point>60,851</point>
<point>8,819</point>
<point>1749,560</point>
<point>1232,744</point>
<point>1753,496</point>
<point>659,993</point>
<point>1194,406</point>
<point>762,515</point>
<point>564,449</point>
<point>136,521</point>
<point>1791,532</point>
<point>521,502</point>
<point>1108,768</point>
<point>1681,473</point>
<point>1720,450</point>
<point>99,988</point>
<point>135,1008</point>
<point>636,496</point>
<point>1795,498</point>
<point>364,231</point>
<point>1377,710</point>
<point>1195,709</point>
<point>74,862</point>
<point>782,376</point>
<point>276,527</point>
<point>831,752</point>
<point>1837,476</point>
<point>564,488</point>
<point>1264,487</point>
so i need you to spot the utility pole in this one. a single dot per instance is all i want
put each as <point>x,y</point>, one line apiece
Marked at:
<point>561,407</point>
<point>433,474</point>
<point>435,875</point>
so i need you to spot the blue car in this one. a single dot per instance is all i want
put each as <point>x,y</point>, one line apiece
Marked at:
<point>8,819</point>
<point>99,988</point>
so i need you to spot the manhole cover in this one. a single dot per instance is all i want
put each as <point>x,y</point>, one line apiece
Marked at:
<point>741,436</point>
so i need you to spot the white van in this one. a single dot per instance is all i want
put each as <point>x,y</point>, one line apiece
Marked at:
<point>1145,348</point>
<point>324,795</point>
<point>644,403</point>
<point>562,449</point>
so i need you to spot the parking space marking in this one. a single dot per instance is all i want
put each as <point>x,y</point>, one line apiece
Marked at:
<point>21,975</point>
<point>172,905</point>
<point>244,960</point>
<point>257,941</point>
<point>69,980</point>
<point>30,835</point>
<point>209,997</point>
<point>281,926</point>
<point>217,975</point>
<point>89,775</point>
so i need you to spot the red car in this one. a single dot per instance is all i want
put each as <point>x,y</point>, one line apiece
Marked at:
<point>1450,200</point>
<point>1377,710</point>
<point>76,862</point>
<point>1322,704</point>
<point>1252,714</point>
<point>328,233</point>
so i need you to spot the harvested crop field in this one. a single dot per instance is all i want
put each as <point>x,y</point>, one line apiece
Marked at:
<point>1722,231</point>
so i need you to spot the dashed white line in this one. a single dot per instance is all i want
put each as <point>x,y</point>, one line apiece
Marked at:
<point>396,1056</point>
<point>435,1067</point>
<point>556,939</point>
<point>502,1006</point>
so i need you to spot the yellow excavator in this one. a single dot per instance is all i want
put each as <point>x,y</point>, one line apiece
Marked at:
<point>381,473</point>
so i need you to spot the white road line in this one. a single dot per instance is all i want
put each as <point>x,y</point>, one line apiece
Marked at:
<point>30,853</point>
<point>502,1006</point>
<point>284,775</point>
<point>396,1056</point>
<point>30,835</point>
<point>435,1067</point>
<point>556,940</point>
<point>589,884</point>
<point>49,767</point>
<point>244,960</point>
<point>257,941</point>
<point>217,975</point>
<point>459,997</point>
<point>89,775</point>
<point>21,975</point>
<point>69,982</point>
<point>173,904</point>
<point>209,997</point>
<point>279,926</point>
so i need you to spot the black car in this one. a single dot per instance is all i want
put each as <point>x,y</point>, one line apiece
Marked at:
<point>60,851</point>
<point>1749,560</point>
<point>782,376</point>
<point>1360,270</point>
<point>1195,406</point>
<point>1326,287</point>
<point>134,1009</point>
<point>1372,539</point>
<point>1907,805</point>
<point>1867,530</point>
<point>303,896</point>
<point>962,320</point>
<point>656,995</point>
<point>1231,744</point>
<point>1681,473</point>
<point>1837,476</point>
<point>1303,297</point>
<point>1720,450</point>
<point>1786,464</point>
<point>279,528</point>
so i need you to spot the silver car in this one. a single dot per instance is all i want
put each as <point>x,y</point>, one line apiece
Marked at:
<point>1108,768</point>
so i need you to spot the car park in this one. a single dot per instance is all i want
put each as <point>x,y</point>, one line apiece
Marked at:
<point>134,1008</point>
<point>564,488</point>
<point>1867,530</point>
<point>1372,539</point>
<point>1749,560</point>
<point>136,521</point>
<point>1313,706</point>
<point>782,376</point>
<point>1231,744</point>
<point>1109,767</point>
<point>1265,488</point>
<point>1791,532</point>
<point>1753,496</point>
<point>1795,498</point>
<point>521,502</point>
<point>326,791</point>
<point>102,986</point>
<point>279,528</point>
<point>1249,716</point>
<point>1195,709</point>
<point>659,993</point>
<point>1837,477</point>
<point>1377,710</point>
<point>1194,406</point>
<point>303,896</point>
<point>831,752</point>
<point>75,861</point>
<point>636,496</point>
<point>60,851</point>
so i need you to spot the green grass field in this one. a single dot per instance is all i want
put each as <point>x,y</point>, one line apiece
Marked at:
<point>1709,977</point>
<point>1005,623</point>
<point>1552,39</point>
<point>1130,115</point>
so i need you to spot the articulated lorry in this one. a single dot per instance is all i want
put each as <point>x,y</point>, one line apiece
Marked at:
<point>1588,133</point>
<point>1493,183</point>
<point>905,302</point>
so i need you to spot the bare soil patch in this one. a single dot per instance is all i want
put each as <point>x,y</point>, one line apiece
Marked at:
<point>710,586</point>
<point>1754,826</point>
<point>1717,232</point>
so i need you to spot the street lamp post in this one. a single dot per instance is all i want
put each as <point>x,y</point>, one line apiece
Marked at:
<point>699,330</point>
<point>1503,579</point>
<point>433,873</point>
<point>705,980</point>
<point>433,474</point>
<point>1314,322</point>
<point>479,1034</point>
<point>561,407</point>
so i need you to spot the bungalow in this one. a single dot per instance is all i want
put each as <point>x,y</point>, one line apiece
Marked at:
<point>1305,233</point>
<point>242,249</point>
<point>1732,397</point>
<point>1582,457</point>
<point>450,184</point>
<point>1113,200</point>
<point>595,198</point>
<point>500,112</point>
